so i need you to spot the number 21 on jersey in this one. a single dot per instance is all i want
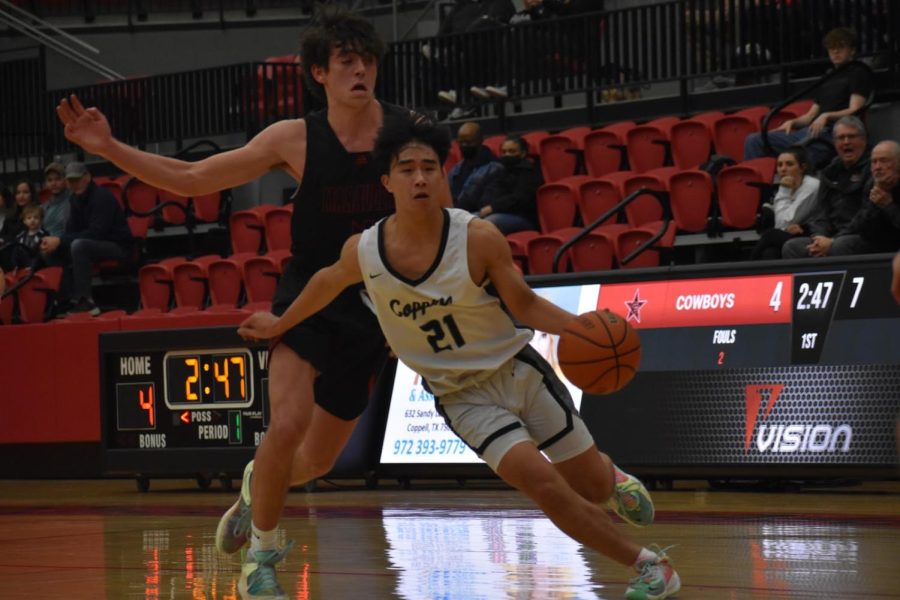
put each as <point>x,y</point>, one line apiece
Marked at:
<point>437,330</point>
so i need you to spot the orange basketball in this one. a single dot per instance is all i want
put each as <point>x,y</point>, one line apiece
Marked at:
<point>599,352</point>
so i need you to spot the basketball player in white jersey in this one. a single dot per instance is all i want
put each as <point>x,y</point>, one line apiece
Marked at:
<point>426,269</point>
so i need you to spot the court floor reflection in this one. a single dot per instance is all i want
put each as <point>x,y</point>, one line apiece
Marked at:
<point>441,545</point>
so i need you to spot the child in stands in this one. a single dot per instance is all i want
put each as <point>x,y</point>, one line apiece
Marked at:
<point>28,252</point>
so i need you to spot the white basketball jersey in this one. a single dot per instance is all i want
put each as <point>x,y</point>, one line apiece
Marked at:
<point>443,326</point>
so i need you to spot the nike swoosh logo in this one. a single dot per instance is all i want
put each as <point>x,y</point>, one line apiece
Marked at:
<point>374,275</point>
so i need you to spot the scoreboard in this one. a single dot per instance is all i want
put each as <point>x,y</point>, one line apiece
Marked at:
<point>787,368</point>
<point>768,371</point>
<point>180,397</point>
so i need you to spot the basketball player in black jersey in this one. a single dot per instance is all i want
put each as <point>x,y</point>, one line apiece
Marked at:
<point>319,371</point>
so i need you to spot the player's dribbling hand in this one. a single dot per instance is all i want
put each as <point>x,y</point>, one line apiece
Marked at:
<point>86,127</point>
<point>259,326</point>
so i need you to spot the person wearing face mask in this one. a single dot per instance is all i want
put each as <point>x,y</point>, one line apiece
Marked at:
<point>472,178</point>
<point>792,204</point>
<point>512,206</point>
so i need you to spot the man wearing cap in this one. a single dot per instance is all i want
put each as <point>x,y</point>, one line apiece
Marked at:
<point>95,231</point>
<point>56,209</point>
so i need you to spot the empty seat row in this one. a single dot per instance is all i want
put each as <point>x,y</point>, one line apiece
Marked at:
<point>29,295</point>
<point>628,146</point>
<point>152,205</point>
<point>178,285</point>
<point>263,228</point>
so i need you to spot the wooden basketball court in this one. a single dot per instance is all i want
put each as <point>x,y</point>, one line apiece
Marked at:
<point>104,540</point>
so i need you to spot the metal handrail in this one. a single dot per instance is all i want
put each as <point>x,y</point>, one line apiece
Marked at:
<point>661,197</point>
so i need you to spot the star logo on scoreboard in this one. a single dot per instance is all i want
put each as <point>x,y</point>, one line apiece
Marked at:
<point>634,307</point>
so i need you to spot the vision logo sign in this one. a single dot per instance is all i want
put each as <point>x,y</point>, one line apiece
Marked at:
<point>779,436</point>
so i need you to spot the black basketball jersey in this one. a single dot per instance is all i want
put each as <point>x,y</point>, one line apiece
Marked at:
<point>340,195</point>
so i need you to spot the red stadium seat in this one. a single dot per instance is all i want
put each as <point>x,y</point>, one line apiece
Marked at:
<point>647,144</point>
<point>534,139</point>
<point>765,166</point>
<point>542,248</point>
<point>559,153</point>
<point>8,303</point>
<point>494,142</point>
<point>729,134</point>
<point>557,203</point>
<point>247,229</point>
<point>628,241</point>
<point>226,280</point>
<point>690,196</point>
<point>518,245</point>
<point>156,284</point>
<point>278,229</point>
<point>280,258</point>
<point>191,282</point>
<point>140,197</point>
<point>176,211</point>
<point>594,252</point>
<point>556,160</point>
<point>758,113</point>
<point>692,140</point>
<point>605,149</point>
<point>739,200</point>
<point>37,293</point>
<point>798,108</point>
<point>261,276</point>
<point>600,194</point>
<point>208,207</point>
<point>645,209</point>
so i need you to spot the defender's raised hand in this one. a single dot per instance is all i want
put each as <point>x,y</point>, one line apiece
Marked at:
<point>86,127</point>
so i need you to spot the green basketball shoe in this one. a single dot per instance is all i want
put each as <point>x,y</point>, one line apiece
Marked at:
<point>631,500</point>
<point>657,579</point>
<point>258,580</point>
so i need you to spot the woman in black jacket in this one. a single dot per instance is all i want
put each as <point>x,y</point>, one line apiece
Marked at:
<point>514,205</point>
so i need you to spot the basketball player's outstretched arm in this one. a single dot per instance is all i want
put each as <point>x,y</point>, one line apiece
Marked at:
<point>323,287</point>
<point>89,128</point>
<point>492,251</point>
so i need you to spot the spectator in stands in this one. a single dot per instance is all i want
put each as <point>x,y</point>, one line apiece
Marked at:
<point>841,96</point>
<point>56,209</point>
<point>27,250</point>
<point>96,231</point>
<point>877,224</point>
<point>840,197</point>
<point>472,177</point>
<point>512,199</point>
<point>25,195</point>
<point>792,204</point>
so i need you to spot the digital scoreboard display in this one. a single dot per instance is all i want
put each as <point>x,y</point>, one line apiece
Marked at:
<point>794,367</point>
<point>182,390</point>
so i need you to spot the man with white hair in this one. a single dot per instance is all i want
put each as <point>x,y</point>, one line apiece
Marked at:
<point>877,224</point>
